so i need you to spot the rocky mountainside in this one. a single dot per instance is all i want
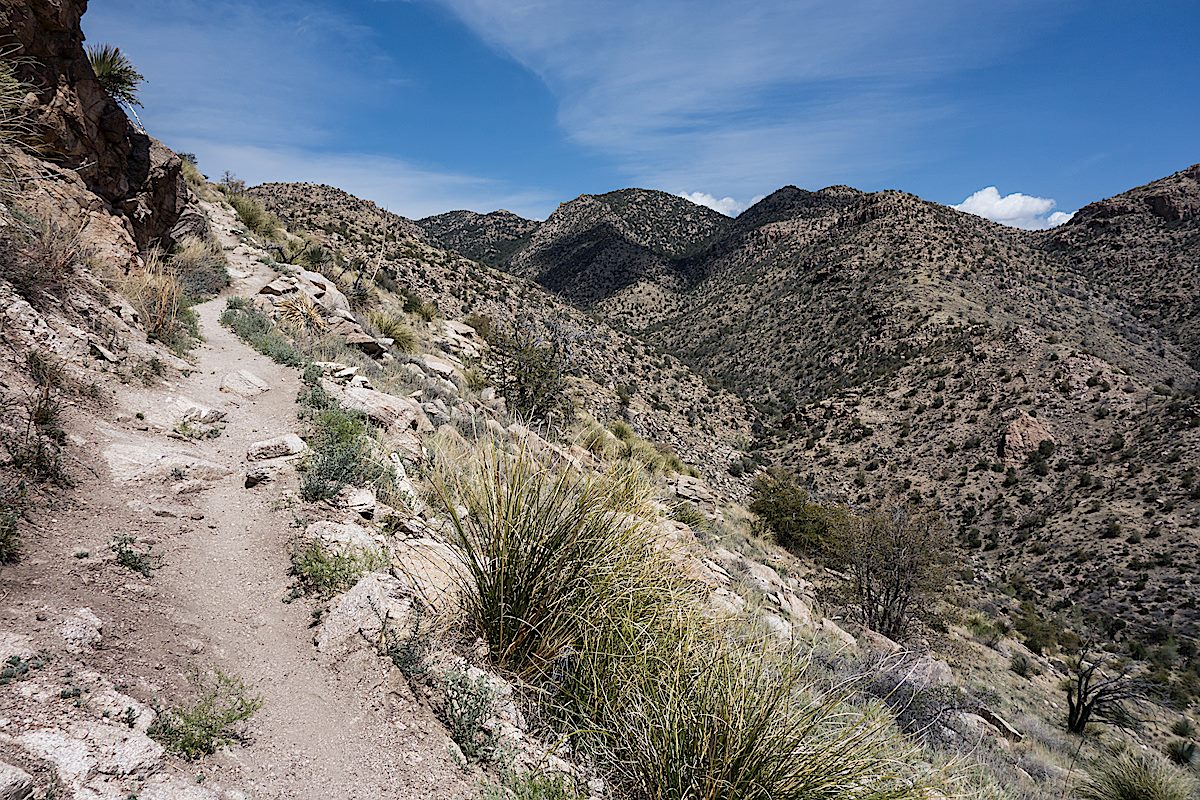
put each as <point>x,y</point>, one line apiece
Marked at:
<point>488,238</point>
<point>621,376</point>
<point>900,348</point>
<point>1143,247</point>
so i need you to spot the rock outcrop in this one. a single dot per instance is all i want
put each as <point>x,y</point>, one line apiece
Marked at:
<point>83,129</point>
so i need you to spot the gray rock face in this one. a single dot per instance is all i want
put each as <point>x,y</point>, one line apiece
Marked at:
<point>376,604</point>
<point>244,383</point>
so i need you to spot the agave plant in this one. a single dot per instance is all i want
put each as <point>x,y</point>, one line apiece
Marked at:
<point>301,313</point>
<point>116,74</point>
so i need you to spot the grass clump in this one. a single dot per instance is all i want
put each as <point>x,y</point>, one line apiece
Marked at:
<point>671,703</point>
<point>1136,777</point>
<point>163,305</point>
<point>255,216</point>
<point>402,335</point>
<point>13,503</point>
<point>327,573</point>
<point>343,454</point>
<point>16,127</point>
<point>257,330</point>
<point>201,268</point>
<point>215,719</point>
<point>40,260</point>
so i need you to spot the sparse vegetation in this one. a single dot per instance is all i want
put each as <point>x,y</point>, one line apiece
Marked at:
<point>40,260</point>
<point>257,219</point>
<point>256,329</point>
<point>344,453</point>
<point>201,269</point>
<point>162,302</point>
<point>215,719</point>
<point>133,558</point>
<point>468,705</point>
<point>327,571</point>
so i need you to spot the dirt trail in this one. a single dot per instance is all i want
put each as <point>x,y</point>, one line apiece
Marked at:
<point>347,730</point>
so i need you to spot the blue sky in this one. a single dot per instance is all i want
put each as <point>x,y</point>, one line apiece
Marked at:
<point>429,105</point>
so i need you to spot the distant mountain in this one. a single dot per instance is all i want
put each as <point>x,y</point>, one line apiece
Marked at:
<point>336,212</point>
<point>489,238</point>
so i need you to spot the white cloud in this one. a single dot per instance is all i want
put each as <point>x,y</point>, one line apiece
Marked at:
<point>726,205</point>
<point>1015,210</point>
<point>680,92</point>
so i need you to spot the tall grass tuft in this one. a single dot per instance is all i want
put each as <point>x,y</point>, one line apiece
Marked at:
<point>1132,776</point>
<point>16,126</point>
<point>393,327</point>
<point>201,268</point>
<point>163,305</point>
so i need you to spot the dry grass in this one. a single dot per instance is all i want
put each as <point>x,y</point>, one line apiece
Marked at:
<point>162,304</point>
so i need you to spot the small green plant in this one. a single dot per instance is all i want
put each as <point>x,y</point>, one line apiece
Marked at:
<point>689,515</point>
<point>257,330</point>
<point>1136,777</point>
<point>469,704</point>
<point>533,786</point>
<point>1181,751</point>
<point>213,721</point>
<point>327,573</point>
<point>342,454</point>
<point>17,668</point>
<point>116,74</point>
<point>13,503</point>
<point>34,445</point>
<point>143,562</point>
<point>408,652</point>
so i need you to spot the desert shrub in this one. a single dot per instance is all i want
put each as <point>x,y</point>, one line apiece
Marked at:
<point>257,330</point>
<point>898,561</point>
<point>600,442</point>
<point>1136,777</point>
<point>299,313</point>
<point>1183,728</point>
<point>191,172</point>
<point>213,721</point>
<point>468,705</point>
<point>797,524</point>
<point>530,372</point>
<point>13,502</point>
<point>343,453</point>
<point>393,327</point>
<point>689,515</point>
<point>255,216</point>
<point>116,73</point>
<point>33,443</point>
<point>163,305</point>
<point>533,786</point>
<point>128,555</point>
<point>201,268</point>
<point>1022,665</point>
<point>327,572</point>
<point>40,260</point>
<point>541,551</point>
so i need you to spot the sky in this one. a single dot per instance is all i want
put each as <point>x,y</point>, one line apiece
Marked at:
<point>1016,110</point>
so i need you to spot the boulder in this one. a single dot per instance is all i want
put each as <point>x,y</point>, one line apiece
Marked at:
<point>82,630</point>
<point>1022,438</point>
<point>340,536</point>
<point>244,384</point>
<point>366,343</point>
<point>378,603</point>
<point>430,571</point>
<point>15,784</point>
<point>397,414</point>
<point>287,445</point>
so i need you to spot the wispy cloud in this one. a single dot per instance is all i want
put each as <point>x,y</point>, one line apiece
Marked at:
<point>268,89</point>
<point>392,183</point>
<point>1015,210</point>
<point>686,92</point>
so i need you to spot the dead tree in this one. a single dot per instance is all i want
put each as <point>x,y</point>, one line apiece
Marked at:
<point>1102,689</point>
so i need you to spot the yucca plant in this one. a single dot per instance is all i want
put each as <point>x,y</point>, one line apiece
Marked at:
<point>299,312</point>
<point>541,552</point>
<point>116,74</point>
<point>1181,751</point>
<point>1131,776</point>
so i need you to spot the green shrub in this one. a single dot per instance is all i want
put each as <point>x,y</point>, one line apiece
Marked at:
<point>201,269</point>
<point>1181,751</point>
<point>255,216</point>
<point>40,260</point>
<point>469,704</point>
<point>257,330</point>
<point>1183,728</point>
<point>143,562</point>
<point>33,445</point>
<point>533,786</point>
<point>213,721</point>
<point>531,376</point>
<point>342,454</point>
<point>327,573</point>
<point>116,73</point>
<point>783,508</point>
<point>1136,777</point>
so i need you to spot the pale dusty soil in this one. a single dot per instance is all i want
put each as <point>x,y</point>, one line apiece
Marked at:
<point>351,729</point>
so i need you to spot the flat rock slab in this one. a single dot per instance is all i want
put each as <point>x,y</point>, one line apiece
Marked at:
<point>287,445</point>
<point>244,383</point>
<point>15,784</point>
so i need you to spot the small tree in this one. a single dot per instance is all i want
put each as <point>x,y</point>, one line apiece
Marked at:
<point>1101,689</point>
<point>783,508</point>
<point>897,561</point>
<point>530,373</point>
